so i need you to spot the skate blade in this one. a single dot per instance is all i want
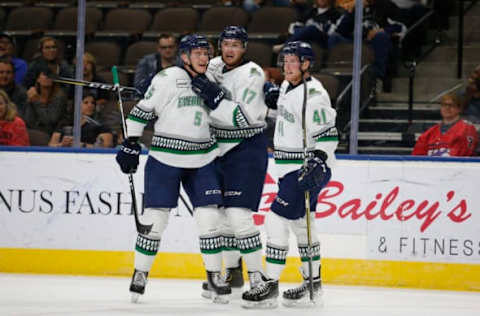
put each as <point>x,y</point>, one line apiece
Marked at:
<point>302,303</point>
<point>134,298</point>
<point>236,293</point>
<point>207,294</point>
<point>221,299</point>
<point>266,304</point>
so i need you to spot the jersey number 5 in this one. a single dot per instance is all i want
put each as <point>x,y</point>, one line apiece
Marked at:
<point>198,118</point>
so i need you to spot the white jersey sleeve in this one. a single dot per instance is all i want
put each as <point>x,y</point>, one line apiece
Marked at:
<point>158,94</point>
<point>320,121</point>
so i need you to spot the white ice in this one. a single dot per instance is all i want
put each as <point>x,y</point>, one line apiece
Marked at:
<point>23,294</point>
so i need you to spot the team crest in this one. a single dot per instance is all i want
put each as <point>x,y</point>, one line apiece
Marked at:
<point>313,92</point>
<point>255,72</point>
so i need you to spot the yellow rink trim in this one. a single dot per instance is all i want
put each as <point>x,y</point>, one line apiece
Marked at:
<point>464,277</point>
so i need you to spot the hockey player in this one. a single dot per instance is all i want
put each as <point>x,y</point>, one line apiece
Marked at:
<point>288,208</point>
<point>183,151</point>
<point>235,89</point>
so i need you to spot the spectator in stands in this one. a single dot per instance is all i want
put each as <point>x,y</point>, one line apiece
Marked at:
<point>94,134</point>
<point>16,92</point>
<point>470,98</point>
<point>452,137</point>
<point>13,131</point>
<point>90,74</point>
<point>50,57</point>
<point>151,64</point>
<point>7,51</point>
<point>46,104</point>
<point>380,23</point>
<point>316,25</point>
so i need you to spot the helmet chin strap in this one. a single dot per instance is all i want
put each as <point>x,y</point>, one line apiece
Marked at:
<point>189,67</point>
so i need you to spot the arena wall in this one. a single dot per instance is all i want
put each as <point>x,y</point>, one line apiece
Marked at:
<point>385,221</point>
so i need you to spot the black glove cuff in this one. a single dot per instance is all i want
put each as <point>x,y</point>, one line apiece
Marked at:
<point>317,153</point>
<point>133,139</point>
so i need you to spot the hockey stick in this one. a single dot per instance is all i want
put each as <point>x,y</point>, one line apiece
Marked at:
<point>96,85</point>
<point>307,192</point>
<point>141,229</point>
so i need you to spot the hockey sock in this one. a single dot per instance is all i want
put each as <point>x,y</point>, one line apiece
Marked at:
<point>145,252</point>
<point>276,259</point>
<point>303,250</point>
<point>251,250</point>
<point>211,250</point>
<point>209,220</point>
<point>231,254</point>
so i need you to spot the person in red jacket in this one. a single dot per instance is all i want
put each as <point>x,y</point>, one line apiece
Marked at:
<point>13,131</point>
<point>452,137</point>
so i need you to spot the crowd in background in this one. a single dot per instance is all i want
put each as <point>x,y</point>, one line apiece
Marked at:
<point>31,100</point>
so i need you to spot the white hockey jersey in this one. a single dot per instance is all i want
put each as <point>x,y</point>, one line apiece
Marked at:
<point>320,126</point>
<point>182,135</point>
<point>241,114</point>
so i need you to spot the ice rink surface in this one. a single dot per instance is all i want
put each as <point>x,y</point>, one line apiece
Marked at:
<point>22,294</point>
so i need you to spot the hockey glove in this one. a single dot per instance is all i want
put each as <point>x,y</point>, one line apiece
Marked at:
<point>271,92</point>
<point>127,156</point>
<point>209,91</point>
<point>316,173</point>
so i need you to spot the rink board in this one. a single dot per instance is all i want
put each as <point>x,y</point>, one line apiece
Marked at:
<point>391,221</point>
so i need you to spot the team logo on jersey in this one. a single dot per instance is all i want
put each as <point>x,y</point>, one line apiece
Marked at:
<point>290,117</point>
<point>312,92</point>
<point>182,83</point>
<point>255,72</point>
<point>189,100</point>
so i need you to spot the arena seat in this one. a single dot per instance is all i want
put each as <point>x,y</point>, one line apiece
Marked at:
<point>38,137</point>
<point>137,50</point>
<point>259,52</point>
<point>29,19</point>
<point>107,53</point>
<point>66,20</point>
<point>215,19</point>
<point>272,20</point>
<point>175,20</point>
<point>127,20</point>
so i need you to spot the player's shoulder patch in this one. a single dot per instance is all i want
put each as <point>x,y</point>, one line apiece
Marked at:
<point>255,72</point>
<point>313,92</point>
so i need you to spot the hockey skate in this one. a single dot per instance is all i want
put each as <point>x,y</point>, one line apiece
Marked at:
<point>218,288</point>
<point>233,277</point>
<point>300,296</point>
<point>263,292</point>
<point>137,286</point>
